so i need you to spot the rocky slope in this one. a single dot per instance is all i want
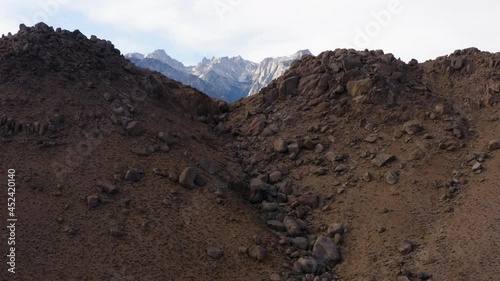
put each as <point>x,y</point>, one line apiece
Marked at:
<point>116,177</point>
<point>396,163</point>
<point>350,166</point>
<point>272,68</point>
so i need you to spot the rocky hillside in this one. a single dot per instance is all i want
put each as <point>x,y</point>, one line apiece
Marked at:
<point>351,166</point>
<point>391,167</point>
<point>116,177</point>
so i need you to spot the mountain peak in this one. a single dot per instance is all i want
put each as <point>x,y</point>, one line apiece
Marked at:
<point>272,68</point>
<point>303,52</point>
<point>161,55</point>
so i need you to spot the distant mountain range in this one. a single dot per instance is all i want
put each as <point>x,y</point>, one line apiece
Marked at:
<point>225,78</point>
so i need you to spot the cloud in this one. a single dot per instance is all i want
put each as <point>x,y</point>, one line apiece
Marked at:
<point>257,29</point>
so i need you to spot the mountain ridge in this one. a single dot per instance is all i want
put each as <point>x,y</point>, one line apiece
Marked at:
<point>226,78</point>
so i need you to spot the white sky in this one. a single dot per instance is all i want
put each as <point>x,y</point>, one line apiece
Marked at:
<point>255,29</point>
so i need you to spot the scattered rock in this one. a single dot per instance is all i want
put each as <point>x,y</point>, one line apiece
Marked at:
<point>338,239</point>
<point>391,177</point>
<point>166,138</point>
<point>72,231</point>
<point>335,228</point>
<point>494,145</point>
<point>276,226</point>
<point>293,148</point>
<point>215,253</point>
<point>269,207</point>
<point>243,250</point>
<point>199,180</point>
<point>326,251</point>
<point>371,139</point>
<point>134,175</point>
<point>340,168</point>
<point>306,265</point>
<point>359,87</point>
<point>280,146</point>
<point>405,247</point>
<point>383,159</point>
<point>319,148</point>
<point>367,177</point>
<point>413,127</point>
<point>135,128</point>
<point>108,188</point>
<point>423,276</point>
<point>258,252</point>
<point>258,190</point>
<point>292,227</point>
<point>93,201</point>
<point>310,200</point>
<point>477,167</point>
<point>275,277</point>
<point>188,177</point>
<point>300,242</point>
<point>275,177</point>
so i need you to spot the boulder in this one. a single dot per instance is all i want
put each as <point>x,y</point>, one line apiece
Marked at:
<point>413,127</point>
<point>258,252</point>
<point>359,87</point>
<point>188,177</point>
<point>276,225</point>
<point>306,265</point>
<point>275,177</point>
<point>405,247</point>
<point>351,63</point>
<point>215,253</point>
<point>383,159</point>
<point>391,177</point>
<point>310,200</point>
<point>335,228</point>
<point>326,252</point>
<point>292,227</point>
<point>300,242</point>
<point>258,191</point>
<point>134,175</point>
<point>108,188</point>
<point>494,145</point>
<point>93,201</point>
<point>280,146</point>
<point>293,148</point>
<point>135,128</point>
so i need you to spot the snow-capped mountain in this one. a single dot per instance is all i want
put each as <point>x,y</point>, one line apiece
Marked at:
<point>272,68</point>
<point>136,56</point>
<point>225,78</point>
<point>162,56</point>
<point>231,75</point>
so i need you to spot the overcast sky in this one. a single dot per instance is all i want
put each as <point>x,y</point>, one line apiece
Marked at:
<point>192,29</point>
